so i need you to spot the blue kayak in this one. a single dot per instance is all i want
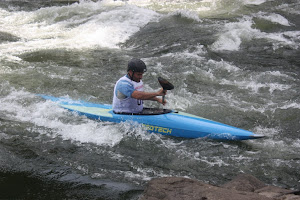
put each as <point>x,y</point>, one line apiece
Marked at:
<point>162,121</point>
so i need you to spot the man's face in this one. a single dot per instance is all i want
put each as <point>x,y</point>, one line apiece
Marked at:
<point>137,76</point>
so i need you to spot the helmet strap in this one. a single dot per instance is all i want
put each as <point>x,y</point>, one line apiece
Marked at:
<point>131,77</point>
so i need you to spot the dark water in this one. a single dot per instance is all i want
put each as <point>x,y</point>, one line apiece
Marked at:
<point>235,62</point>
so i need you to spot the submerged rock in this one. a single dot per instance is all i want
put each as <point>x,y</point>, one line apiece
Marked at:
<point>243,187</point>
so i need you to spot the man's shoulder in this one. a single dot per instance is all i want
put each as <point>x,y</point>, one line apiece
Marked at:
<point>124,82</point>
<point>124,78</point>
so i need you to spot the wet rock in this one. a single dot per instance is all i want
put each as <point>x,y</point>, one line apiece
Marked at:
<point>175,188</point>
<point>245,187</point>
<point>278,193</point>
<point>245,182</point>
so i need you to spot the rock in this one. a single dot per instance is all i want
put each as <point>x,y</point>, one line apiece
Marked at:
<point>243,187</point>
<point>277,193</point>
<point>175,188</point>
<point>244,182</point>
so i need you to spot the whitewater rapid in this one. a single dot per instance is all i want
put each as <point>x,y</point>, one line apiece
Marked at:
<point>231,61</point>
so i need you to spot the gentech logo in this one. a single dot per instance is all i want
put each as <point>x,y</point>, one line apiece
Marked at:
<point>158,129</point>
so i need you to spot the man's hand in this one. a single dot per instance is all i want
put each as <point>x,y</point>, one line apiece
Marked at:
<point>159,100</point>
<point>161,92</point>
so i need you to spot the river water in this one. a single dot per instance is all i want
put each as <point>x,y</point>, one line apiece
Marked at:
<point>232,61</point>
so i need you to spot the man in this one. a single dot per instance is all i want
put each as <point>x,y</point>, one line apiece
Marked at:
<point>129,90</point>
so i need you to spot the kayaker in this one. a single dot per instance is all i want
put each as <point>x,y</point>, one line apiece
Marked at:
<point>129,90</point>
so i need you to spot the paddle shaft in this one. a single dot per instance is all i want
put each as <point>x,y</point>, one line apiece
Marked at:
<point>163,97</point>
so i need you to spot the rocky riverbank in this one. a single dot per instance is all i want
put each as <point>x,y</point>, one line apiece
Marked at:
<point>243,187</point>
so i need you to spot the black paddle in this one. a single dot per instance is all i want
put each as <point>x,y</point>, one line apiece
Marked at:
<point>166,85</point>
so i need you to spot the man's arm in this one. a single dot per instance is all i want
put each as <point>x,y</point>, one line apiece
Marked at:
<point>147,95</point>
<point>159,100</point>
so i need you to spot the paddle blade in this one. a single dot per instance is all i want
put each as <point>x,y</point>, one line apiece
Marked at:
<point>166,85</point>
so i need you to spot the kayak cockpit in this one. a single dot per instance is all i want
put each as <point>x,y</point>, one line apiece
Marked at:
<point>148,111</point>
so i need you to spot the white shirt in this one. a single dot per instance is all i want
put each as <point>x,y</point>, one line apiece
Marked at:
<point>122,100</point>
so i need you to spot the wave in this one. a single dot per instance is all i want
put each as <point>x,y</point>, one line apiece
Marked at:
<point>77,26</point>
<point>234,34</point>
<point>186,14</point>
<point>274,18</point>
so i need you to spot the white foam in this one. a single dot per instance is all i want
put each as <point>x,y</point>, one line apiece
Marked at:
<point>291,105</point>
<point>291,8</point>
<point>253,2</point>
<point>196,54</point>
<point>272,144</point>
<point>200,8</point>
<point>255,86</point>
<point>268,132</point>
<point>5,70</point>
<point>231,37</point>
<point>77,26</point>
<point>223,65</point>
<point>275,18</point>
<point>69,126</point>
<point>233,34</point>
<point>289,38</point>
<point>115,26</point>
<point>4,136</point>
<point>187,14</point>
